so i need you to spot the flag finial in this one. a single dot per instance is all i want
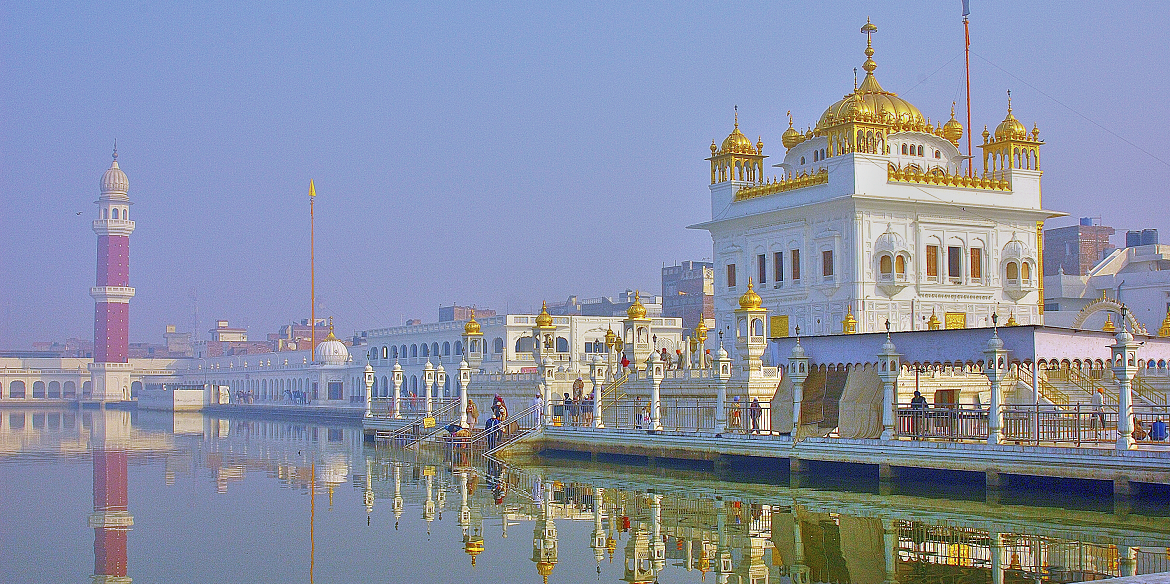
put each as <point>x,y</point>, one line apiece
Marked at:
<point>312,189</point>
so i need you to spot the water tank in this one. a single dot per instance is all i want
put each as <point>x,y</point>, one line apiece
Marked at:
<point>1087,221</point>
<point>1149,237</point>
<point>1133,238</point>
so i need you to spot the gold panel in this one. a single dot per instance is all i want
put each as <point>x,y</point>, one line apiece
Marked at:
<point>779,326</point>
<point>956,320</point>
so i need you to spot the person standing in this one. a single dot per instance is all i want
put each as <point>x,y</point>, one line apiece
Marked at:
<point>755,411</point>
<point>472,412</point>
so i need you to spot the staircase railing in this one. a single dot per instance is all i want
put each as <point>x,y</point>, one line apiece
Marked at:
<point>1090,385</point>
<point>1147,392</point>
<point>417,431</point>
<point>1047,390</point>
<point>526,423</point>
<point>611,393</point>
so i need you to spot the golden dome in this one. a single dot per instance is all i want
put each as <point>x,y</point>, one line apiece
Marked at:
<point>472,327</point>
<point>1109,326</point>
<point>544,319</point>
<point>750,300</point>
<point>870,103</point>
<point>636,310</point>
<point>473,547</point>
<point>934,323</point>
<point>849,325</point>
<point>1010,129</point>
<point>953,130</point>
<point>791,136</point>
<point>737,143</point>
<point>701,331</point>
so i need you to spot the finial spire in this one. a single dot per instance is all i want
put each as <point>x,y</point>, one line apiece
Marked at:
<point>330,325</point>
<point>953,109</point>
<point>868,29</point>
<point>115,148</point>
<point>855,79</point>
<point>1009,101</point>
<point>736,117</point>
<point>789,118</point>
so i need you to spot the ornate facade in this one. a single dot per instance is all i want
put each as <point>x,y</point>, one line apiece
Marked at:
<point>875,216</point>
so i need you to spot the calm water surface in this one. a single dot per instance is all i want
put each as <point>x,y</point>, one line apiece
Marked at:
<point>115,496</point>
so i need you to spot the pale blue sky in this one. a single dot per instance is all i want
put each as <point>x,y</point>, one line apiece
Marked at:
<point>489,153</point>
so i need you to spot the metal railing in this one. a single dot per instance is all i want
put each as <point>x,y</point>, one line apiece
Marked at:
<point>411,407</point>
<point>1147,392</point>
<point>1074,424</point>
<point>942,422</point>
<point>419,430</point>
<point>1047,390</point>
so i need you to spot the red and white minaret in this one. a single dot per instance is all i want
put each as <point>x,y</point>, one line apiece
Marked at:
<point>111,315</point>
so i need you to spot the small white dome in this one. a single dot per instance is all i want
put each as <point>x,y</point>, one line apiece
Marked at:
<point>797,351</point>
<point>889,242</point>
<point>331,351</point>
<point>1015,249</point>
<point>114,181</point>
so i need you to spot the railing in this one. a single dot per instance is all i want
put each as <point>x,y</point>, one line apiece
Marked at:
<point>1074,424</point>
<point>416,431</point>
<point>1147,392</point>
<point>1047,390</point>
<point>411,407</point>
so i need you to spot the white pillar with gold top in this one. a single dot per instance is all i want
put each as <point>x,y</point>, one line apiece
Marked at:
<point>655,369</point>
<point>637,333</point>
<point>750,331</point>
<point>473,348</point>
<point>597,376</point>
<point>428,386</point>
<point>396,375</point>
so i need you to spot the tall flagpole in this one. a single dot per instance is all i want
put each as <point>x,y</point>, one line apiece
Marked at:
<point>312,270</point>
<point>967,38</point>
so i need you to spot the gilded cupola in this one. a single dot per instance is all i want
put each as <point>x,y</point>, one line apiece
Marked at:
<point>472,327</point>
<point>544,319</point>
<point>953,130</point>
<point>737,158</point>
<point>791,136</point>
<point>750,300</point>
<point>636,310</point>
<point>1010,146</point>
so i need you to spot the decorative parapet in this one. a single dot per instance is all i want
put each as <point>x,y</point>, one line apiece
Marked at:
<point>786,184</point>
<point>914,176</point>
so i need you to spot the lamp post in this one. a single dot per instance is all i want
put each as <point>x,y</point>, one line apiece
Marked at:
<point>723,374</point>
<point>1124,353</point>
<point>798,371</point>
<point>654,364</point>
<point>464,383</point>
<point>428,384</point>
<point>610,341</point>
<point>889,368</point>
<point>597,376</point>
<point>369,390</point>
<point>396,375</point>
<point>996,368</point>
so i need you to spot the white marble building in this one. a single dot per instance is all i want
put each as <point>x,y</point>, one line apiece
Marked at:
<point>1141,274</point>
<point>874,215</point>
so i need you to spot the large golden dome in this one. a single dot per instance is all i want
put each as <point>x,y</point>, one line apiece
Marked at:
<point>636,310</point>
<point>870,103</point>
<point>750,300</point>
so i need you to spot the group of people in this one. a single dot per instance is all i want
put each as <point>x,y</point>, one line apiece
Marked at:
<point>1159,432</point>
<point>735,420</point>
<point>577,409</point>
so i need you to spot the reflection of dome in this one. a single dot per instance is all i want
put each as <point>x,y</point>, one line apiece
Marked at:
<point>473,547</point>
<point>331,351</point>
<point>114,181</point>
<point>544,319</point>
<point>472,327</point>
<point>750,300</point>
<point>636,310</point>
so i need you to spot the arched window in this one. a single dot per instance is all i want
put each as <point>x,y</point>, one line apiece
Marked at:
<point>562,345</point>
<point>900,266</point>
<point>1025,272</point>
<point>886,267</point>
<point>435,349</point>
<point>105,213</point>
<point>801,160</point>
<point>402,352</point>
<point>498,345</point>
<point>55,388</point>
<point>458,347</point>
<point>525,345</point>
<point>937,154</point>
<point>757,327</point>
<point>69,390</point>
<point>920,149</point>
<point>385,352</point>
<point>446,348</point>
<point>38,389</point>
<point>394,351</point>
<point>905,149</point>
<point>1013,273</point>
<point>414,350</point>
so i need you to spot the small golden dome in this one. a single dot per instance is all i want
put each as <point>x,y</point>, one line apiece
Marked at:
<point>701,330</point>
<point>736,142</point>
<point>934,323</point>
<point>849,325</point>
<point>952,130</point>
<point>1011,321</point>
<point>610,337</point>
<point>636,310</point>
<point>544,319</point>
<point>750,300</point>
<point>1010,128</point>
<point>1109,326</point>
<point>472,327</point>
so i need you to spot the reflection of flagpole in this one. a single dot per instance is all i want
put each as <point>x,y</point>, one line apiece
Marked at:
<point>967,49</point>
<point>312,514</point>
<point>313,268</point>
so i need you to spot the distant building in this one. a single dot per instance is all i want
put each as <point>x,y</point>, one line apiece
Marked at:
<point>606,305</point>
<point>1077,248</point>
<point>688,292</point>
<point>222,332</point>
<point>298,336</point>
<point>178,344</point>
<point>453,313</point>
<point>1136,276</point>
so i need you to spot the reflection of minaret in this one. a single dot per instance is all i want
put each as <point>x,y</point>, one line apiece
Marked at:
<point>112,293</point>
<point>110,520</point>
<point>544,538</point>
<point>397,493</point>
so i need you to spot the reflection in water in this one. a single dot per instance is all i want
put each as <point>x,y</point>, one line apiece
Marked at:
<point>621,524</point>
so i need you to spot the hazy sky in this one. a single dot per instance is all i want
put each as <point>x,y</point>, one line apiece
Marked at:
<point>489,153</point>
